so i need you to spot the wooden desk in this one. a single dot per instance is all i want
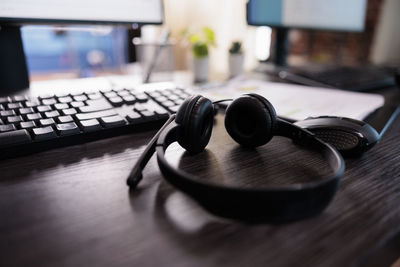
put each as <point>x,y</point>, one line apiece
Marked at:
<point>71,207</point>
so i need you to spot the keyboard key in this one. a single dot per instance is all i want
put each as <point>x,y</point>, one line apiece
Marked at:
<point>166,92</point>
<point>80,98</point>
<point>27,124</point>
<point>148,115</point>
<point>14,138</point>
<point>65,99</point>
<point>153,106</point>
<point>32,103</point>
<point>184,94</point>
<point>174,109</point>
<point>142,97</point>
<point>52,114</point>
<point>155,94</point>
<point>77,104</point>
<point>112,121</point>
<point>64,119</point>
<point>134,117</point>
<point>46,96</point>
<point>129,99</point>
<point>161,99</point>
<point>43,108</point>
<point>67,128</point>
<point>133,92</point>
<point>1,122</point>
<point>123,93</point>
<point>14,105</point>
<point>94,96</point>
<point>118,89</point>
<point>7,127</point>
<point>105,90</point>
<point>90,125</point>
<point>46,122</point>
<point>4,100</point>
<point>179,101</point>
<point>140,107</point>
<point>60,106</point>
<point>111,94</point>
<point>5,113</point>
<point>14,119</point>
<point>116,101</point>
<point>168,104</point>
<point>77,93</point>
<point>173,97</point>
<point>19,98</point>
<point>24,111</point>
<point>44,133</point>
<point>70,111</point>
<point>62,94</point>
<point>95,115</point>
<point>49,101</point>
<point>34,116</point>
<point>95,105</point>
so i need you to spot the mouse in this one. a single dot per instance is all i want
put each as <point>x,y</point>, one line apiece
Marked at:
<point>349,136</point>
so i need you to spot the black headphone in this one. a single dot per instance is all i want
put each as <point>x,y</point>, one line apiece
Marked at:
<point>251,121</point>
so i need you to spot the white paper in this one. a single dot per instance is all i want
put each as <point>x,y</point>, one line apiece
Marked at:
<point>299,102</point>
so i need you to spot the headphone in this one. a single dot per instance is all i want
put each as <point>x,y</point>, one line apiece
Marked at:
<point>251,121</point>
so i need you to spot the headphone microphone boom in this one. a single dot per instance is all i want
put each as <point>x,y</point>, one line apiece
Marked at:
<point>135,176</point>
<point>251,121</point>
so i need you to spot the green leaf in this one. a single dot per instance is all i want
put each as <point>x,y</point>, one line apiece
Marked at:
<point>200,41</point>
<point>200,50</point>
<point>194,38</point>
<point>236,48</point>
<point>209,35</point>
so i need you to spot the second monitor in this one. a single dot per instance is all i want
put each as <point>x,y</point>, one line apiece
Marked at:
<point>334,16</point>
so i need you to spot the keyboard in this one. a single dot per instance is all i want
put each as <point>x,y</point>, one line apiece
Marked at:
<point>349,78</point>
<point>32,124</point>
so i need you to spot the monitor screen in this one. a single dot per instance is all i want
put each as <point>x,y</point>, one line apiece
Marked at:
<point>340,15</point>
<point>82,11</point>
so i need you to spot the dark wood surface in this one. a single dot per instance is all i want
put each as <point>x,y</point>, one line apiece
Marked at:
<point>71,207</point>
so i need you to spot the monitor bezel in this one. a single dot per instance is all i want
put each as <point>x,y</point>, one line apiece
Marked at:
<point>35,21</point>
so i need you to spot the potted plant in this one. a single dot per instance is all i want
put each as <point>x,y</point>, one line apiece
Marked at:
<point>236,59</point>
<point>200,43</point>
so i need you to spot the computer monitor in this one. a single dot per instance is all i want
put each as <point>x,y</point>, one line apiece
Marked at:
<point>337,15</point>
<point>14,13</point>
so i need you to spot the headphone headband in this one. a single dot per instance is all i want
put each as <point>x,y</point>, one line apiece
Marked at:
<point>274,204</point>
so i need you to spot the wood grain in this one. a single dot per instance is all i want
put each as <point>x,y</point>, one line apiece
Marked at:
<point>71,207</point>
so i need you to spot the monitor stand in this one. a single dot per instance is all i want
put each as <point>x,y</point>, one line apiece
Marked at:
<point>13,69</point>
<point>278,59</point>
<point>281,50</point>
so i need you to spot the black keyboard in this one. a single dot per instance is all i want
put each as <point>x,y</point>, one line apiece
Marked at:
<point>362,78</point>
<point>32,124</point>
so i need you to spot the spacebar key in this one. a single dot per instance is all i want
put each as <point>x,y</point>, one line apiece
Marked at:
<point>95,115</point>
<point>14,138</point>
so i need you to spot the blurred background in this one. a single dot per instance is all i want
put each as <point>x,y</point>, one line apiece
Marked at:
<point>86,51</point>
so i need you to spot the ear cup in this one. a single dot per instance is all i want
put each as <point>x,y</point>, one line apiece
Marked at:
<point>250,120</point>
<point>195,117</point>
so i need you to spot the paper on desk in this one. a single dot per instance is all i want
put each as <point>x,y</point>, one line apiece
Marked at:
<point>299,102</point>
